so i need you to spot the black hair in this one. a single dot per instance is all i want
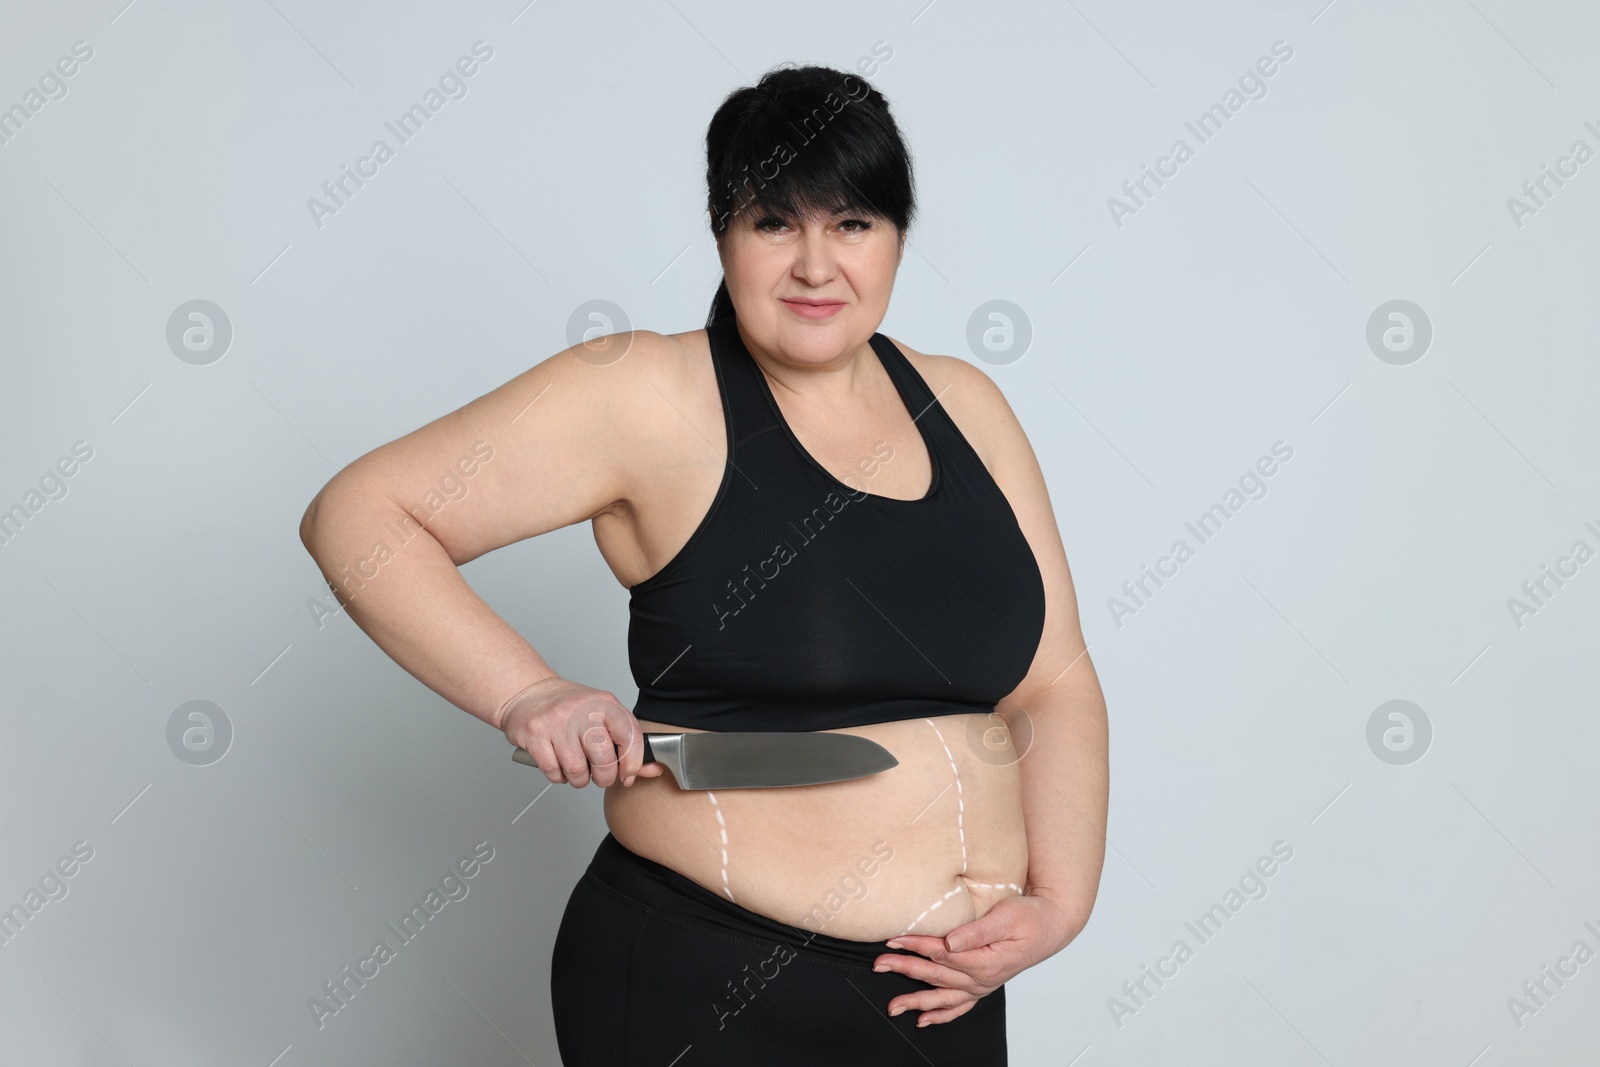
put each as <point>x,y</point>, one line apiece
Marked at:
<point>832,141</point>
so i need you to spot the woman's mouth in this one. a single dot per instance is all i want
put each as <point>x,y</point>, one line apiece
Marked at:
<point>808,310</point>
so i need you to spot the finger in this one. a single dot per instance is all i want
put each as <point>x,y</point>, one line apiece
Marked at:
<point>944,1015</point>
<point>600,751</point>
<point>629,740</point>
<point>935,974</point>
<point>574,764</point>
<point>991,965</point>
<point>928,1000</point>
<point>980,968</point>
<point>996,925</point>
<point>924,944</point>
<point>545,756</point>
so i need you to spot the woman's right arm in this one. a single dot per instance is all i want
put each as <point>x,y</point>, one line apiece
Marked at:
<point>548,449</point>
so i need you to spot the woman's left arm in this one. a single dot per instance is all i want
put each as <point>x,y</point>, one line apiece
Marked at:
<point>1065,782</point>
<point>1057,718</point>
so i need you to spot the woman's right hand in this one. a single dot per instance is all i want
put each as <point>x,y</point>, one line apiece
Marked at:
<point>574,733</point>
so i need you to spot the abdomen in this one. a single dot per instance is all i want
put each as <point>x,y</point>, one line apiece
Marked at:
<point>920,848</point>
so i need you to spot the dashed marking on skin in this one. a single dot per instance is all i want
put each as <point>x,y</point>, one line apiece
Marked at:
<point>934,907</point>
<point>963,884</point>
<point>722,828</point>
<point>961,831</point>
<point>961,803</point>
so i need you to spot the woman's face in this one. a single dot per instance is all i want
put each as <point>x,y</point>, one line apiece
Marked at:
<point>777,267</point>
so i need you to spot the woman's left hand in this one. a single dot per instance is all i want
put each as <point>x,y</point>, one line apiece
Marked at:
<point>975,959</point>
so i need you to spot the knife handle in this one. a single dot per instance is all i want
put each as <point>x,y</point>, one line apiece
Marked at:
<point>521,754</point>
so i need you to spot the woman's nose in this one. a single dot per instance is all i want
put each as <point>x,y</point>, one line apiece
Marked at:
<point>814,258</point>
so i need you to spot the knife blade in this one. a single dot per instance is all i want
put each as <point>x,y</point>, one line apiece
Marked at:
<point>759,760</point>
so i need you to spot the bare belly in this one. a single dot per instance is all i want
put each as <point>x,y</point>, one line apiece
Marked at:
<point>920,848</point>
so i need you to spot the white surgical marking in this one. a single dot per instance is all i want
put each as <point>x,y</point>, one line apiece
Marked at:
<point>722,828</point>
<point>961,832</point>
<point>961,804</point>
<point>933,907</point>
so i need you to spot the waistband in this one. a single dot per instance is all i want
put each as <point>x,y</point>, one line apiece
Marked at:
<point>658,888</point>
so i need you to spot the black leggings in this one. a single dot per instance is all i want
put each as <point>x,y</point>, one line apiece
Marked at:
<point>651,969</point>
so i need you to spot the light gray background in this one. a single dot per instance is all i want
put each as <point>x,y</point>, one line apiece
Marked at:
<point>1168,354</point>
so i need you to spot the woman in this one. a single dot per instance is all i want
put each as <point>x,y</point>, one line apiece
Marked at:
<point>872,536</point>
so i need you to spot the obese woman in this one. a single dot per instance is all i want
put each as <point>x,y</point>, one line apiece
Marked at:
<point>821,529</point>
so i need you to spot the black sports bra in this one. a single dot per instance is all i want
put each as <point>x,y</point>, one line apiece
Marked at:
<point>801,603</point>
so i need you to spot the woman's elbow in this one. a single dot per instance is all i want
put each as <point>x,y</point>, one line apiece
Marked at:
<point>318,513</point>
<point>307,522</point>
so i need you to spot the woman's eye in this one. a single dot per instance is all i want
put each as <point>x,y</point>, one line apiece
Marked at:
<point>772,225</point>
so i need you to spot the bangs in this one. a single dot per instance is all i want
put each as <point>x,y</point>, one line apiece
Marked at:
<point>812,152</point>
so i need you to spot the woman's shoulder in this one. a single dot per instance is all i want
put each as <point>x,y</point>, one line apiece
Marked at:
<point>665,402</point>
<point>637,368</point>
<point>972,399</point>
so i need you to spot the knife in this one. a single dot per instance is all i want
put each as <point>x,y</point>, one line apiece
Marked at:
<point>753,760</point>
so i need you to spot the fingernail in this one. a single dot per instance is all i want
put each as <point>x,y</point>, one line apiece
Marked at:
<point>922,1022</point>
<point>881,967</point>
<point>896,1011</point>
<point>894,944</point>
<point>627,781</point>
